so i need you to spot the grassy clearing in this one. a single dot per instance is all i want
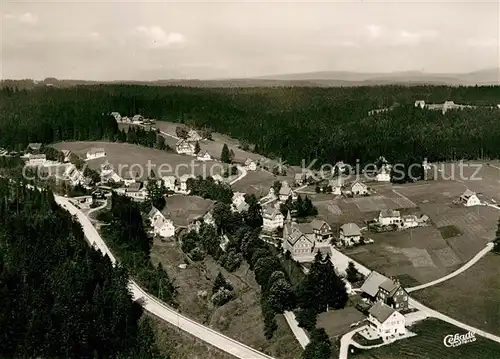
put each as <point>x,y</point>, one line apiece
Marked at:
<point>472,297</point>
<point>127,157</point>
<point>241,318</point>
<point>338,322</point>
<point>428,344</point>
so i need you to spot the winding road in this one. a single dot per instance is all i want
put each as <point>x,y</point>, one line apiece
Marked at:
<point>154,306</point>
<point>462,269</point>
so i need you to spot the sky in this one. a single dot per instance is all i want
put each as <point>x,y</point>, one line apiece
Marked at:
<point>149,40</point>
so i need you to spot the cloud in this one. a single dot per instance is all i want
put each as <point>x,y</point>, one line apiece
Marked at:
<point>156,37</point>
<point>407,37</point>
<point>482,42</point>
<point>26,18</point>
<point>374,31</point>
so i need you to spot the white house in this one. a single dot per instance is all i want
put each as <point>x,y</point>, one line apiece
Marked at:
<point>185,147</point>
<point>96,153</point>
<point>409,221</point>
<point>386,321</point>
<point>135,192</point>
<point>469,199</point>
<point>286,192</point>
<point>350,234</point>
<point>138,118</point>
<point>272,218</point>
<point>203,156</point>
<point>239,204</point>
<point>389,217</point>
<point>420,103</point>
<point>117,116</point>
<point>251,165</point>
<point>128,179</point>
<point>426,165</point>
<point>37,160</point>
<point>183,182</point>
<point>169,182</point>
<point>161,226</point>
<point>383,175</point>
<point>358,188</point>
<point>194,136</point>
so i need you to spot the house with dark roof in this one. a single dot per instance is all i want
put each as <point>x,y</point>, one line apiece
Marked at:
<point>321,230</point>
<point>387,322</point>
<point>379,288</point>
<point>286,192</point>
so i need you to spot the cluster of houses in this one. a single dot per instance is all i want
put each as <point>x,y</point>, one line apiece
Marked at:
<point>388,300</point>
<point>136,119</point>
<point>393,218</point>
<point>443,107</point>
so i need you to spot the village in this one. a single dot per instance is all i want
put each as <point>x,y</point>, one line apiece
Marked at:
<point>384,212</point>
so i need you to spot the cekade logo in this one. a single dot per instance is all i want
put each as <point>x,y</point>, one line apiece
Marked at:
<point>455,340</point>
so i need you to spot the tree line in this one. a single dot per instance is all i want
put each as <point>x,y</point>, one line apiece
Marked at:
<point>294,123</point>
<point>60,297</point>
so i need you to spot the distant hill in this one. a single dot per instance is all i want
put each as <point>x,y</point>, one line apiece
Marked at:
<point>307,79</point>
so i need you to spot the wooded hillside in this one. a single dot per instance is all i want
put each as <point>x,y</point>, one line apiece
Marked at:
<point>296,123</point>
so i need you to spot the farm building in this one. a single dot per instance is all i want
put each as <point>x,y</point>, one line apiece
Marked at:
<point>387,322</point>
<point>349,234</point>
<point>160,225</point>
<point>378,287</point>
<point>420,103</point>
<point>358,188</point>
<point>321,230</point>
<point>409,221</point>
<point>389,217</point>
<point>469,199</point>
<point>95,153</point>
<point>185,147</point>
<point>136,192</point>
<point>203,156</point>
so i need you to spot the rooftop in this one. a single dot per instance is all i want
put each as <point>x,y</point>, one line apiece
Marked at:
<point>386,213</point>
<point>381,311</point>
<point>350,229</point>
<point>372,283</point>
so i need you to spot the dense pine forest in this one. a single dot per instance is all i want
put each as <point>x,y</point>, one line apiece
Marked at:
<point>61,298</point>
<point>294,123</point>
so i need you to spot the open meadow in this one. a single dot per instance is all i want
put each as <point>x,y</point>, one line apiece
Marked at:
<point>213,147</point>
<point>127,157</point>
<point>419,255</point>
<point>472,297</point>
<point>241,318</point>
<point>428,344</point>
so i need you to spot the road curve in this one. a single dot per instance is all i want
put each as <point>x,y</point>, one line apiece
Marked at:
<point>241,176</point>
<point>466,266</point>
<point>154,306</point>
